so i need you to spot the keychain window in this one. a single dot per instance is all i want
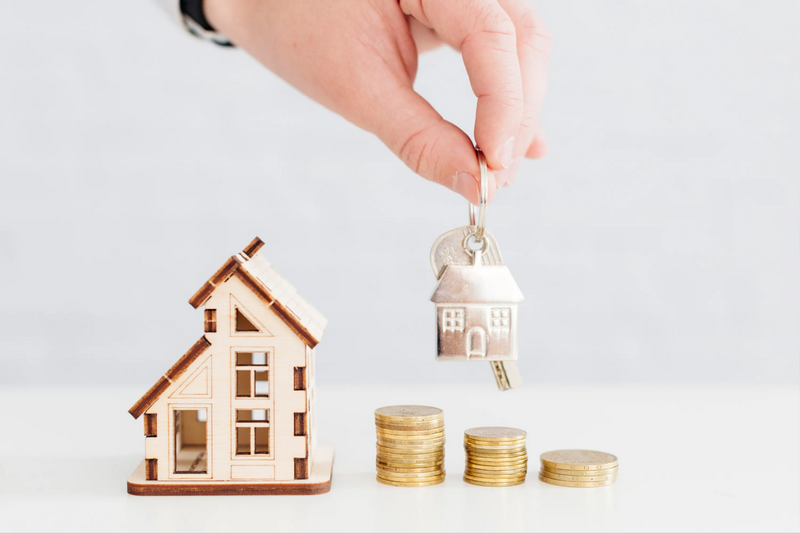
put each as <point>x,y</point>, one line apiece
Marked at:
<point>500,318</point>
<point>453,320</point>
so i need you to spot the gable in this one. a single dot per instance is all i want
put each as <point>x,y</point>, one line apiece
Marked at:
<point>244,321</point>
<point>273,289</point>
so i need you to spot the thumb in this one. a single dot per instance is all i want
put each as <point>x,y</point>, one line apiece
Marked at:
<point>431,146</point>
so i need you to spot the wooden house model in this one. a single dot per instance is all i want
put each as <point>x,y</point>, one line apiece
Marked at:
<point>476,313</point>
<point>235,414</point>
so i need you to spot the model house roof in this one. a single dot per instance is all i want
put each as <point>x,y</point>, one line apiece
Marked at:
<point>274,290</point>
<point>481,284</point>
<point>261,277</point>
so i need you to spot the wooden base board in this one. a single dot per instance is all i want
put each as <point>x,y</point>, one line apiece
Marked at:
<point>319,482</point>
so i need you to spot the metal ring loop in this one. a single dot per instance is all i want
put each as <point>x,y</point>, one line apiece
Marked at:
<point>484,198</point>
<point>466,246</point>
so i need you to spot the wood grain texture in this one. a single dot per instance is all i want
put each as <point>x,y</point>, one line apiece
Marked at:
<point>251,249</point>
<point>151,425</point>
<point>225,271</point>
<point>318,482</point>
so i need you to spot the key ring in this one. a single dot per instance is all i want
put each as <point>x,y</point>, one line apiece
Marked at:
<point>484,198</point>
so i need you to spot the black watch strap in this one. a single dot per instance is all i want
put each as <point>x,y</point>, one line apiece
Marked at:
<point>194,10</point>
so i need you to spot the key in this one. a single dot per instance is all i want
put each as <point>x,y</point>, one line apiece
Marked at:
<point>451,249</point>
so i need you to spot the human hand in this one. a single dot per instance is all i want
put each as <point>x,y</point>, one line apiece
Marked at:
<point>359,59</point>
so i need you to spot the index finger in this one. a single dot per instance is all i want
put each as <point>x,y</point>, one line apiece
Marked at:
<point>486,36</point>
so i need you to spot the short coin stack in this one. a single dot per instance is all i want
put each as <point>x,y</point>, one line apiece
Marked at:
<point>410,445</point>
<point>578,468</point>
<point>496,457</point>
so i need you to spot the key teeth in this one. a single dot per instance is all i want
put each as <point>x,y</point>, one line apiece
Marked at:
<point>506,374</point>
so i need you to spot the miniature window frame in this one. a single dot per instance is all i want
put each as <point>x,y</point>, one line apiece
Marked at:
<point>236,305</point>
<point>253,371</point>
<point>453,318</point>
<point>500,318</point>
<point>251,402</point>
<point>252,425</point>
<point>171,408</point>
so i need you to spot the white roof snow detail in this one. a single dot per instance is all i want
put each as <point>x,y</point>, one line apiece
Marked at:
<point>284,292</point>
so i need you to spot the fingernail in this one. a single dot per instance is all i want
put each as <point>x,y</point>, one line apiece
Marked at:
<point>465,184</point>
<point>506,153</point>
<point>506,176</point>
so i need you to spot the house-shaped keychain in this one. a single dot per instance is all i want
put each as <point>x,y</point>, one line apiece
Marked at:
<point>235,414</point>
<point>476,312</point>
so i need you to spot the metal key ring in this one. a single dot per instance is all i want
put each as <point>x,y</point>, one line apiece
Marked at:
<point>484,198</point>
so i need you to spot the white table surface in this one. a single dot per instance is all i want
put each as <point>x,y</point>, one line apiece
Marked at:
<point>691,458</point>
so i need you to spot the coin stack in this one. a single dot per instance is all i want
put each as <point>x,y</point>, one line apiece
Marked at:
<point>410,445</point>
<point>578,468</point>
<point>496,457</point>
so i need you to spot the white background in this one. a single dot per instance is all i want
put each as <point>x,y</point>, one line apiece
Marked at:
<point>658,246</point>
<point>658,242</point>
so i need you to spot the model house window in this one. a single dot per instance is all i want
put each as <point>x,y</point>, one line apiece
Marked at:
<point>210,320</point>
<point>299,378</point>
<point>191,441</point>
<point>252,432</point>
<point>300,425</point>
<point>453,319</point>
<point>244,324</point>
<point>500,318</point>
<point>252,374</point>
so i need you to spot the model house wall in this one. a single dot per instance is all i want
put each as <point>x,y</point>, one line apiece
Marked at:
<point>239,405</point>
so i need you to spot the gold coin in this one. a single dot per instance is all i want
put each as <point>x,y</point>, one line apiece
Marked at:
<point>583,473</point>
<point>411,478</point>
<point>391,453</point>
<point>492,448</point>
<point>495,433</point>
<point>408,459</point>
<point>405,452</point>
<point>410,437</point>
<point>482,477</point>
<point>578,460</point>
<point>412,484</point>
<point>512,462</point>
<point>421,444</point>
<point>496,469</point>
<point>408,413</point>
<point>411,470</point>
<point>496,456</point>
<point>578,479</point>
<point>403,476</point>
<point>493,445</point>
<point>497,484</point>
<point>434,432</point>
<point>491,466</point>
<point>575,483</point>
<point>425,426</point>
<point>420,447</point>
<point>410,462</point>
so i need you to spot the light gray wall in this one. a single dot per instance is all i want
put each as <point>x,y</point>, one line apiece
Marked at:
<point>659,241</point>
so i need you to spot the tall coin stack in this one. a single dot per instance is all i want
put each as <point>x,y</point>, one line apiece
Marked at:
<point>578,468</point>
<point>410,445</point>
<point>496,457</point>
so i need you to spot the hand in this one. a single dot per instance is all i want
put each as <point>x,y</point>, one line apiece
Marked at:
<point>359,59</point>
